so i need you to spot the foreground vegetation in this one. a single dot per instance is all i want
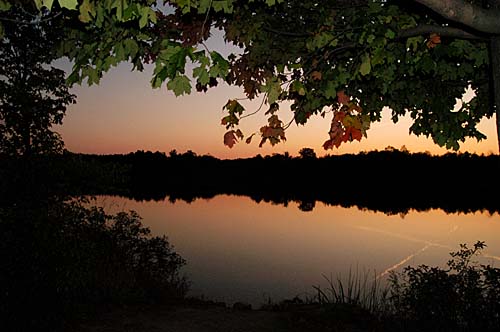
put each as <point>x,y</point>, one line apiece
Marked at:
<point>463,296</point>
<point>60,259</point>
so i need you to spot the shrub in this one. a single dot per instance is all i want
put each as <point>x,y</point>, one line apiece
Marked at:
<point>62,256</point>
<point>465,296</point>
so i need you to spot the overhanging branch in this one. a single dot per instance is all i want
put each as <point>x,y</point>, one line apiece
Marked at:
<point>443,31</point>
<point>461,11</point>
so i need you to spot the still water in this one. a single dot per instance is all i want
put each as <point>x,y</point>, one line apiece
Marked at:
<point>240,250</point>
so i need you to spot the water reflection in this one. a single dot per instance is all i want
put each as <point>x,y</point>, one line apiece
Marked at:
<point>240,250</point>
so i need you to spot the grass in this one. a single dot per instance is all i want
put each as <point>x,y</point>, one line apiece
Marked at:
<point>357,290</point>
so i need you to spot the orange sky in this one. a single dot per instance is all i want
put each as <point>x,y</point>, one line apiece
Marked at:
<point>124,114</point>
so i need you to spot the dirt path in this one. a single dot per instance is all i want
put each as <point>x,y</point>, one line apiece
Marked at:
<point>203,319</point>
<point>192,319</point>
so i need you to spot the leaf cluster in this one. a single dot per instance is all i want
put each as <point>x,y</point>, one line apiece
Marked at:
<point>300,52</point>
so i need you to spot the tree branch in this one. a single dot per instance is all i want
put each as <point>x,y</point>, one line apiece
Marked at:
<point>461,11</point>
<point>287,33</point>
<point>443,31</point>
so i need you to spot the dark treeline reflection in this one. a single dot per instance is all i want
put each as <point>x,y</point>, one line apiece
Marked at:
<point>389,181</point>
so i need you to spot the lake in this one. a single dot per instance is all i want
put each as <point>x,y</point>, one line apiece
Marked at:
<point>240,250</point>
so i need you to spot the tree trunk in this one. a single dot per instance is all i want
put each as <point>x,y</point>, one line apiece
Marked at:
<point>495,72</point>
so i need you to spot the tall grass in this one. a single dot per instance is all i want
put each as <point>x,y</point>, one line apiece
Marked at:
<point>362,290</point>
<point>465,296</point>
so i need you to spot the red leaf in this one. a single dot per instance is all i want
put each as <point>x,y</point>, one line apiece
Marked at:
<point>230,138</point>
<point>434,39</point>
<point>239,134</point>
<point>356,134</point>
<point>343,98</point>
<point>328,145</point>
<point>339,116</point>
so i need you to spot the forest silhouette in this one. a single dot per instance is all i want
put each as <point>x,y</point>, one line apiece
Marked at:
<point>389,181</point>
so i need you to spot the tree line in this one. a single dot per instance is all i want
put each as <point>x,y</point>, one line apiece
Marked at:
<point>390,181</point>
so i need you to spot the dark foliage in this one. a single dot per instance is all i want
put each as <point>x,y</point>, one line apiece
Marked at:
<point>463,297</point>
<point>60,259</point>
<point>33,94</point>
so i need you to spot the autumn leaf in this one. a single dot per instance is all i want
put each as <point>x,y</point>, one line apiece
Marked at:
<point>316,75</point>
<point>343,98</point>
<point>275,133</point>
<point>355,134</point>
<point>339,116</point>
<point>328,145</point>
<point>336,132</point>
<point>274,121</point>
<point>249,139</point>
<point>230,138</point>
<point>352,121</point>
<point>434,39</point>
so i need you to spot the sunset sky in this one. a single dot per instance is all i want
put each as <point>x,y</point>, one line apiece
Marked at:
<point>124,114</point>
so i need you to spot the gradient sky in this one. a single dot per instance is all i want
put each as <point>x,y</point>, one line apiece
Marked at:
<point>124,114</point>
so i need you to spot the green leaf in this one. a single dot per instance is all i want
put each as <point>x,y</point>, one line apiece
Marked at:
<point>69,4</point>
<point>152,15</point>
<point>413,42</point>
<point>119,5</point>
<point>143,21</point>
<point>130,47</point>
<point>220,66</point>
<point>180,85</point>
<point>298,87</point>
<point>224,5</point>
<point>273,90</point>
<point>4,5</point>
<point>390,34</point>
<point>160,75</point>
<point>366,66</point>
<point>87,11</point>
<point>185,5</point>
<point>321,40</point>
<point>120,52</point>
<point>204,6</point>
<point>100,17</point>
<point>331,90</point>
<point>202,74</point>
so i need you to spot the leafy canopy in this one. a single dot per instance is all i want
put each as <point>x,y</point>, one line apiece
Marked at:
<point>345,59</point>
<point>33,95</point>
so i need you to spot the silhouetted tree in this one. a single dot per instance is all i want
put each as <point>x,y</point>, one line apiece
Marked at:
<point>307,153</point>
<point>33,94</point>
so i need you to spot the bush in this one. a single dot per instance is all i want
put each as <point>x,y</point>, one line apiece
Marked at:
<point>62,256</point>
<point>463,297</point>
